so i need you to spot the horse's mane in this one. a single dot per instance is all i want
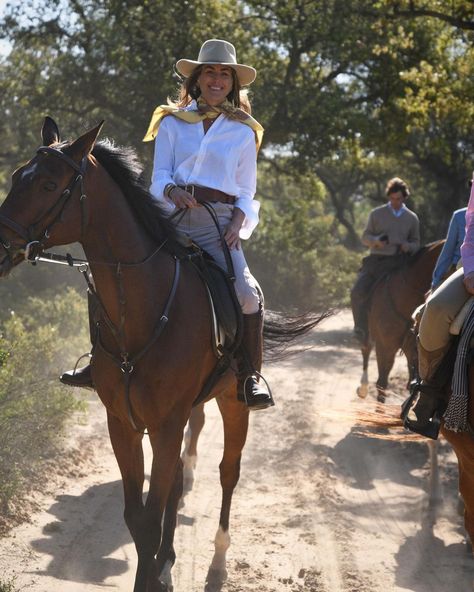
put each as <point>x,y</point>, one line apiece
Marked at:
<point>123,166</point>
<point>429,246</point>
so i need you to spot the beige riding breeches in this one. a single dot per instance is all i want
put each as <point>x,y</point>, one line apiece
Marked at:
<point>441,309</point>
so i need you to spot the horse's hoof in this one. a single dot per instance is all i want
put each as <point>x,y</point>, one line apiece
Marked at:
<point>215,580</point>
<point>381,397</point>
<point>362,391</point>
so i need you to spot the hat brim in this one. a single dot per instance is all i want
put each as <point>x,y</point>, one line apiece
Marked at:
<point>245,74</point>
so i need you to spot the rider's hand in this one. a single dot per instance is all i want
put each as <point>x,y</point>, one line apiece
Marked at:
<point>182,198</point>
<point>231,233</point>
<point>231,236</point>
<point>405,247</point>
<point>469,282</point>
<point>378,244</point>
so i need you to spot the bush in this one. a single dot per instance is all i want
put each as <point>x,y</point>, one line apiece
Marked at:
<point>35,346</point>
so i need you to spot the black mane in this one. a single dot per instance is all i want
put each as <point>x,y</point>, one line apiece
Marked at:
<point>414,258</point>
<point>123,166</point>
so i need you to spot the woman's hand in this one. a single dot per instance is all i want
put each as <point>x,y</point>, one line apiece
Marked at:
<point>182,198</point>
<point>231,233</point>
<point>469,282</point>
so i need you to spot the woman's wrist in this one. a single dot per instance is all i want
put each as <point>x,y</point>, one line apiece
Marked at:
<point>168,189</point>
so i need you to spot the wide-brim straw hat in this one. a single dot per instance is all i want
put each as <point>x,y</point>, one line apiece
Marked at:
<point>218,51</point>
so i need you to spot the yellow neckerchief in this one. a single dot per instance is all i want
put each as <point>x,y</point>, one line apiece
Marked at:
<point>203,111</point>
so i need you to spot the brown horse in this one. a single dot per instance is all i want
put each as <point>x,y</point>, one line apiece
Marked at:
<point>393,302</point>
<point>154,349</point>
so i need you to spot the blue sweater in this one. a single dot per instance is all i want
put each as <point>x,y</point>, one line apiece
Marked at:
<point>451,252</point>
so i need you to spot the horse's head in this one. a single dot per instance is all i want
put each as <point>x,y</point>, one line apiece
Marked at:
<point>46,203</point>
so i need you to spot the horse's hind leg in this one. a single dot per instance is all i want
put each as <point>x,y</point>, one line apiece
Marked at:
<point>385,354</point>
<point>235,417</point>
<point>189,456</point>
<point>410,351</point>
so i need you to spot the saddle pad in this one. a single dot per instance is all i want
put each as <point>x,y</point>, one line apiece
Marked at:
<point>463,314</point>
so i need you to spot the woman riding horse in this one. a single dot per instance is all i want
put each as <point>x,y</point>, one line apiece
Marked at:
<point>205,151</point>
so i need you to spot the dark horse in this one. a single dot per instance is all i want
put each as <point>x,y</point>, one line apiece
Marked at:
<point>155,351</point>
<point>393,302</point>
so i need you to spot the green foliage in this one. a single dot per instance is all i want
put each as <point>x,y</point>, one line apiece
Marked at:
<point>34,406</point>
<point>296,252</point>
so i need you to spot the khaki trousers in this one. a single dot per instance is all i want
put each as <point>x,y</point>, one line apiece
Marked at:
<point>440,311</point>
<point>197,224</point>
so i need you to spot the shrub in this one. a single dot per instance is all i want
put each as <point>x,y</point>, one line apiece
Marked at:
<point>35,346</point>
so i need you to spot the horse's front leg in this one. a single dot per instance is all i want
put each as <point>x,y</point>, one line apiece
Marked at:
<point>127,446</point>
<point>165,491</point>
<point>166,555</point>
<point>363,388</point>
<point>236,418</point>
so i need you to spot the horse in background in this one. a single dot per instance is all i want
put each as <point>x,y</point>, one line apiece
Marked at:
<point>154,351</point>
<point>394,299</point>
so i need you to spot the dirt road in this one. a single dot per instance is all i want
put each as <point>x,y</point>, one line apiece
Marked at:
<point>317,509</point>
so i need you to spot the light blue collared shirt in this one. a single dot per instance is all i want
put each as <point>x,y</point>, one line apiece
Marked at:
<point>399,212</point>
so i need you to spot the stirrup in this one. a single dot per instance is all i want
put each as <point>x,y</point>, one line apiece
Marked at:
<point>262,400</point>
<point>429,429</point>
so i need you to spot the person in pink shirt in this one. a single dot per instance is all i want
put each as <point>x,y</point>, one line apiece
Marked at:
<point>436,347</point>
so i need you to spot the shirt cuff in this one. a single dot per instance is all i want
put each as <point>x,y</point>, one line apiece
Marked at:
<point>251,208</point>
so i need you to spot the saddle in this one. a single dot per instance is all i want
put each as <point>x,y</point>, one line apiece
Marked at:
<point>226,315</point>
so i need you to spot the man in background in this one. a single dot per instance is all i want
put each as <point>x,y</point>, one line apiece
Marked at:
<point>392,233</point>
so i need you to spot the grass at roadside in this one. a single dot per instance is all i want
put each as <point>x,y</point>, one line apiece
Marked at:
<point>8,585</point>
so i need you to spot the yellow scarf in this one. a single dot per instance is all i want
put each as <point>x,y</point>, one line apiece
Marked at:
<point>203,112</point>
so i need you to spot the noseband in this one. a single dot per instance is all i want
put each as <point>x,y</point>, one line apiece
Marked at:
<point>33,246</point>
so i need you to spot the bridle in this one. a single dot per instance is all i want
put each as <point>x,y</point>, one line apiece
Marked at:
<point>33,246</point>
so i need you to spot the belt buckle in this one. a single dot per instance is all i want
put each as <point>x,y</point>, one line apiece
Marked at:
<point>186,188</point>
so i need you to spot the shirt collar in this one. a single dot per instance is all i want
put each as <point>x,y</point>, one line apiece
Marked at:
<point>397,213</point>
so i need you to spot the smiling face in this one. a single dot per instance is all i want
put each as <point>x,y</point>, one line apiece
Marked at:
<point>215,82</point>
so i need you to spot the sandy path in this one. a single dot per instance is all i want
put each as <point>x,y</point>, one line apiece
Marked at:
<point>317,509</point>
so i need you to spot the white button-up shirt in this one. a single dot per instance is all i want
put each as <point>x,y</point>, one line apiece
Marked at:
<point>224,158</point>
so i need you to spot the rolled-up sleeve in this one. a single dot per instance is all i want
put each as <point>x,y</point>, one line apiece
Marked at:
<point>467,248</point>
<point>246,179</point>
<point>163,165</point>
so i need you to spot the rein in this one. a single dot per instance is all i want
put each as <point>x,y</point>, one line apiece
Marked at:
<point>56,210</point>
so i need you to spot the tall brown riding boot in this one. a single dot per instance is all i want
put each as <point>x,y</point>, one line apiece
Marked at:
<point>81,377</point>
<point>429,395</point>
<point>249,356</point>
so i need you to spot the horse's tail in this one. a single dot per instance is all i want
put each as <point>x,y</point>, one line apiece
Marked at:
<point>280,331</point>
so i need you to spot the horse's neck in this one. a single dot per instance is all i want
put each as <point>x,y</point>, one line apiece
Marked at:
<point>116,246</point>
<point>113,233</point>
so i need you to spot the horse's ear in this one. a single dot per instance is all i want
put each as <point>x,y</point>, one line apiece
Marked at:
<point>49,131</point>
<point>84,145</point>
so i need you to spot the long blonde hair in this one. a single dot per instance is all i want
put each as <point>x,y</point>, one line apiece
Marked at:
<point>189,91</point>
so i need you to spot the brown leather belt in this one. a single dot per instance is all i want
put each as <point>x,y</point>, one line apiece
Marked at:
<point>208,194</point>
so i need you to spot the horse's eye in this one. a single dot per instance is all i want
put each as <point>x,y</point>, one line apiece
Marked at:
<point>50,186</point>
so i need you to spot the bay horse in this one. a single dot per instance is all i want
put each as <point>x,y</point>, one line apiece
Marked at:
<point>155,351</point>
<point>394,299</point>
